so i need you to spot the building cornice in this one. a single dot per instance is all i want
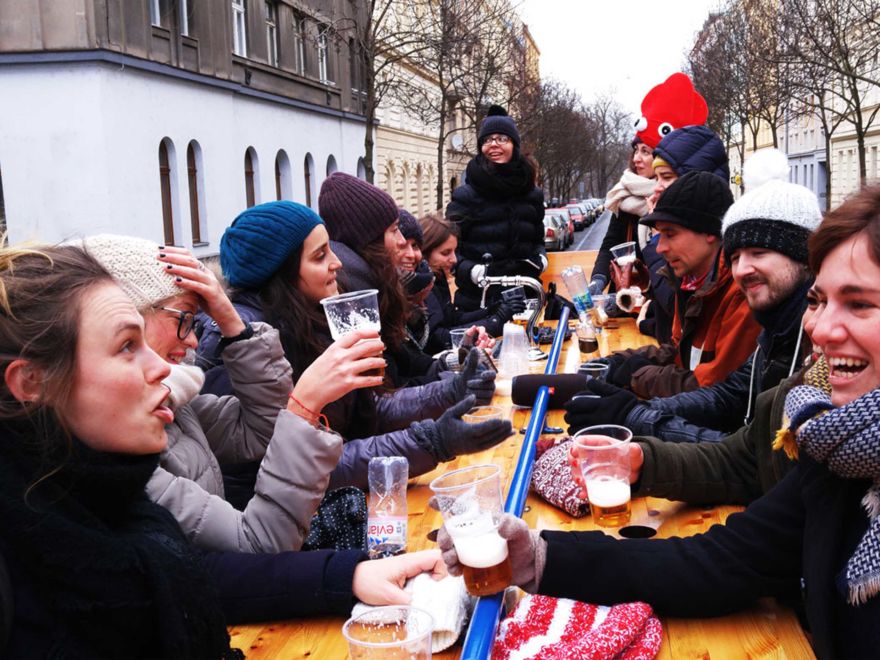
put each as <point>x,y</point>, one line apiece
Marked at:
<point>110,58</point>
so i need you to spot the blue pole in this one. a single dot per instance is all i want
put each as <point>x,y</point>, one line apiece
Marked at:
<point>484,622</point>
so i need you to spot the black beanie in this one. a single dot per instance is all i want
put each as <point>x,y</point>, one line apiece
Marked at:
<point>498,121</point>
<point>696,201</point>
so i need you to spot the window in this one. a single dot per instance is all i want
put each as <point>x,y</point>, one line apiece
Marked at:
<point>239,28</point>
<point>155,13</point>
<point>308,166</point>
<point>196,186</point>
<point>331,165</point>
<point>272,33</point>
<point>283,188</point>
<point>183,6</point>
<point>323,57</point>
<point>299,44</point>
<point>361,170</point>
<point>250,177</point>
<point>166,160</point>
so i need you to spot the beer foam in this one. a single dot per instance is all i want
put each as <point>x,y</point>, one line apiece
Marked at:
<point>483,551</point>
<point>607,492</point>
<point>626,259</point>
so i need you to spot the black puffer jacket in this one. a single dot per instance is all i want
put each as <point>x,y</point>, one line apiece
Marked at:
<point>511,229</point>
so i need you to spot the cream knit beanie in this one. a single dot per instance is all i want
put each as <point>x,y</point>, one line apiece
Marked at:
<point>132,263</point>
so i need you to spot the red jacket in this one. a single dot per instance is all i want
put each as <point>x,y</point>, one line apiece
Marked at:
<point>712,336</point>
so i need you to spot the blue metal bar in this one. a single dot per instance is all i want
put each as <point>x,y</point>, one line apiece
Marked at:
<point>484,622</point>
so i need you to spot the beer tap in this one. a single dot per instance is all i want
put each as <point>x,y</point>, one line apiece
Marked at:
<point>487,281</point>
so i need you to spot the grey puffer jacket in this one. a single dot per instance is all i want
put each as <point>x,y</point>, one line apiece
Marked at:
<point>253,424</point>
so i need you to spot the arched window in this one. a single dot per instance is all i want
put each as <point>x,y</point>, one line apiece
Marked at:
<point>331,165</point>
<point>308,167</point>
<point>196,182</point>
<point>251,177</point>
<point>361,170</point>
<point>420,189</point>
<point>283,183</point>
<point>403,199</point>
<point>168,188</point>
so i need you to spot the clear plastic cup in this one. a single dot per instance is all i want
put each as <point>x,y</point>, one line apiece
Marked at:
<point>348,312</point>
<point>456,337</point>
<point>605,465</point>
<point>393,632</point>
<point>482,414</point>
<point>470,502</point>
<point>624,253</point>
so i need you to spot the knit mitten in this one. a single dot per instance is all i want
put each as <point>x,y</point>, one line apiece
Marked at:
<point>183,382</point>
<point>526,550</point>
<point>449,436</point>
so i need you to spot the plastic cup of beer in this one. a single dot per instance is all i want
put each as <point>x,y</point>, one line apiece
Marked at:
<point>586,338</point>
<point>352,311</point>
<point>390,633</point>
<point>624,253</point>
<point>470,501</point>
<point>605,466</point>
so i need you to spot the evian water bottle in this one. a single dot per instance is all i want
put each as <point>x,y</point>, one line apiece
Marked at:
<point>386,520</point>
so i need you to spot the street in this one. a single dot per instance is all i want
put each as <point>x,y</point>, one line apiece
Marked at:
<point>591,237</point>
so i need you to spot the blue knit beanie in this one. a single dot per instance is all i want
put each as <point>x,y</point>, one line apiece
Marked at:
<point>498,121</point>
<point>410,227</point>
<point>259,240</point>
<point>694,148</point>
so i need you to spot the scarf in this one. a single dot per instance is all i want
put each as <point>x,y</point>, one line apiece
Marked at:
<point>498,182</point>
<point>104,568</point>
<point>630,194</point>
<point>847,440</point>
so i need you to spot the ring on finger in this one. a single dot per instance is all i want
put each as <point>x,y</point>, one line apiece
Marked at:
<point>201,266</point>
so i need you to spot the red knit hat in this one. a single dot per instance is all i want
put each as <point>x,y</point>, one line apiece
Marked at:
<point>578,630</point>
<point>673,104</point>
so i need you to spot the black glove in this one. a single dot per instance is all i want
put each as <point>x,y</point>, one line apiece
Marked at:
<point>622,375</point>
<point>600,403</point>
<point>474,379</point>
<point>509,308</point>
<point>449,436</point>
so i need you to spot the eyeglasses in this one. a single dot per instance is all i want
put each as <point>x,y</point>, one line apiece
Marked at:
<point>186,321</point>
<point>497,139</point>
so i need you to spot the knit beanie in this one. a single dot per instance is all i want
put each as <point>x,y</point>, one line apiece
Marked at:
<point>356,212</point>
<point>416,281</point>
<point>261,238</point>
<point>133,264</point>
<point>694,148</point>
<point>410,227</point>
<point>777,215</point>
<point>498,121</point>
<point>696,201</point>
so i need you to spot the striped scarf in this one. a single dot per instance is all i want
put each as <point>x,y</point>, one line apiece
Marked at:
<point>847,440</point>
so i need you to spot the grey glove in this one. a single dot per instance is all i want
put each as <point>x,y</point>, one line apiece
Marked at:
<point>449,436</point>
<point>597,285</point>
<point>526,550</point>
<point>474,379</point>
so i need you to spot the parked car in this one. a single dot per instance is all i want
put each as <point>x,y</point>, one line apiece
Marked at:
<point>577,216</point>
<point>569,225</point>
<point>554,234</point>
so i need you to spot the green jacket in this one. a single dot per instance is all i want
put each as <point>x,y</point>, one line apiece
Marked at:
<point>738,469</point>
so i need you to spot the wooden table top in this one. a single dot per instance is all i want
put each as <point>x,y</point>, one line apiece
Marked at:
<point>765,631</point>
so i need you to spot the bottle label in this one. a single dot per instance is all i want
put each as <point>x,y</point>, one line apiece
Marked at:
<point>386,534</point>
<point>583,302</point>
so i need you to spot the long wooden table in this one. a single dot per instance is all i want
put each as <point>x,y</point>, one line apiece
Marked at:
<point>764,631</point>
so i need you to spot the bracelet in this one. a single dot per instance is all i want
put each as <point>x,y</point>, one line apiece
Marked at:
<point>314,417</point>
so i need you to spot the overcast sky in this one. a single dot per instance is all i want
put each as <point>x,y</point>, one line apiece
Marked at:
<point>623,47</point>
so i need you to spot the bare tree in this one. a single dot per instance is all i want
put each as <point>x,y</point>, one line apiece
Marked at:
<point>837,41</point>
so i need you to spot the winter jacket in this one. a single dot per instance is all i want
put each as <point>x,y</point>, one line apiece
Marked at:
<point>713,334</point>
<point>708,413</point>
<point>658,323</point>
<point>284,585</point>
<point>795,539</point>
<point>511,231</point>
<point>296,457</point>
<point>443,317</point>
<point>735,470</point>
<point>622,227</point>
<point>383,433</point>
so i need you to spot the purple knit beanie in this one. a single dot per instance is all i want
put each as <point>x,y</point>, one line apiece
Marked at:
<point>355,212</point>
<point>410,227</point>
